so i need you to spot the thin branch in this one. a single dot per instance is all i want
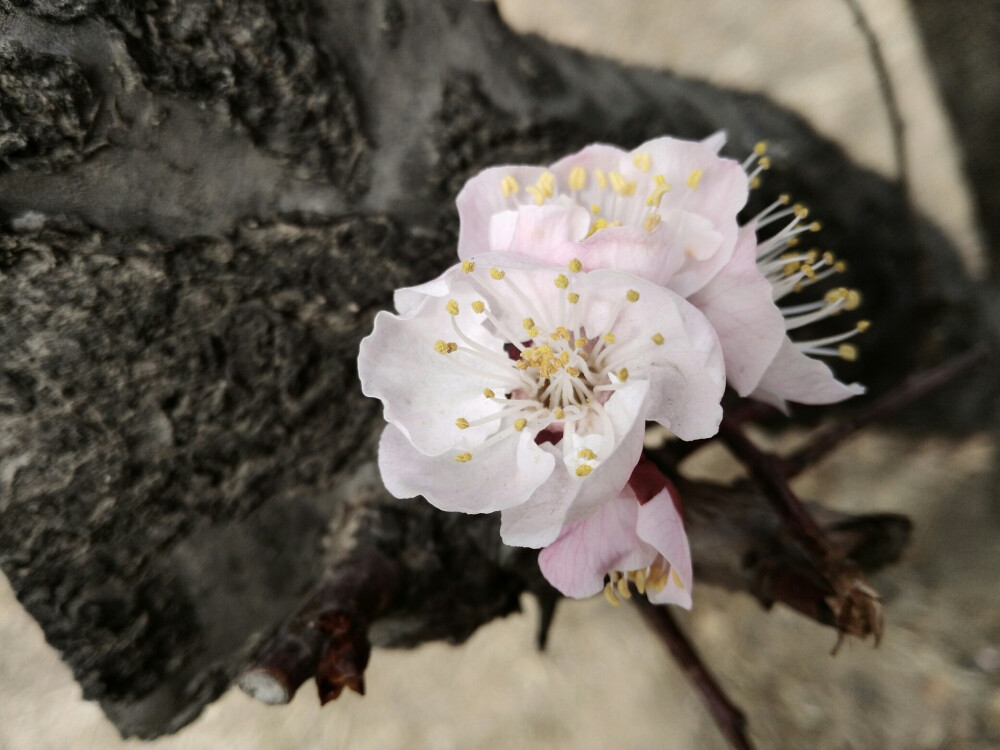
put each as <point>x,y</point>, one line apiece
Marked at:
<point>914,388</point>
<point>896,124</point>
<point>767,472</point>
<point>730,719</point>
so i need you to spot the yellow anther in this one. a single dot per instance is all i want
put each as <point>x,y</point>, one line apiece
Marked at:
<point>808,271</point>
<point>812,256</point>
<point>575,266</point>
<point>602,180</point>
<point>452,307</point>
<point>609,594</point>
<point>489,393</point>
<point>623,374</point>
<point>445,347</point>
<point>509,186</point>
<point>478,306</point>
<point>815,226</point>
<point>853,299</point>
<point>658,339</point>
<point>564,357</point>
<point>537,193</point>
<point>562,333</point>
<point>463,458</point>
<point>597,226</point>
<point>764,162</point>
<point>623,589</point>
<point>615,224</point>
<point>521,364</point>
<point>547,183</point>
<point>676,578</point>
<point>533,332</point>
<point>792,268</point>
<point>468,266</point>
<point>595,208</point>
<point>528,323</point>
<point>561,281</point>
<point>573,298</point>
<point>587,454</point>
<point>652,221</point>
<point>840,266</point>
<point>800,211</point>
<point>760,148</point>
<point>658,192</point>
<point>863,325</point>
<point>573,371</point>
<point>792,242</point>
<point>632,295</point>
<point>829,258</point>
<point>583,470</point>
<point>577,178</point>
<point>609,338</point>
<point>755,183</point>
<point>580,343</point>
<point>462,423</point>
<point>520,423</point>
<point>659,180</point>
<point>559,414</point>
<point>620,185</point>
<point>694,178</point>
<point>659,581</point>
<point>639,576</point>
<point>497,274</point>
<point>848,352</point>
<point>643,161</point>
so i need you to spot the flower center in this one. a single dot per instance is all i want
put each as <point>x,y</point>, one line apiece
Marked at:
<point>558,376</point>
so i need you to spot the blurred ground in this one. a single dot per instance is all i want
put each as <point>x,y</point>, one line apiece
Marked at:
<point>605,682</point>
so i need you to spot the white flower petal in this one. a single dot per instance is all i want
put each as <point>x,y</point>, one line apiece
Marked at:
<point>425,392</point>
<point>494,479</point>
<point>566,497</point>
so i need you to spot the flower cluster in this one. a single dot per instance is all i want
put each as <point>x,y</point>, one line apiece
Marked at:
<point>593,296</point>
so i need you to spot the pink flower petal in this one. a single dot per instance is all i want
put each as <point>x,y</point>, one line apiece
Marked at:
<point>596,156</point>
<point>660,525</point>
<point>482,197</point>
<point>578,560</point>
<point>739,304</point>
<point>795,376</point>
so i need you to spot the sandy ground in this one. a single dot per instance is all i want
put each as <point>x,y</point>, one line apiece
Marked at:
<point>605,681</point>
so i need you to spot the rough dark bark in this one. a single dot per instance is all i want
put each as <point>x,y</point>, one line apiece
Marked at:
<point>204,204</point>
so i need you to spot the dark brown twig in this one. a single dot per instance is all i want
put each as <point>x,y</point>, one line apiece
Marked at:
<point>730,719</point>
<point>897,126</point>
<point>326,638</point>
<point>914,388</point>
<point>856,607</point>
<point>767,471</point>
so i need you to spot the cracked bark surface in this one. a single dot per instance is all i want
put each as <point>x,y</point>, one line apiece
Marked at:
<point>204,205</point>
